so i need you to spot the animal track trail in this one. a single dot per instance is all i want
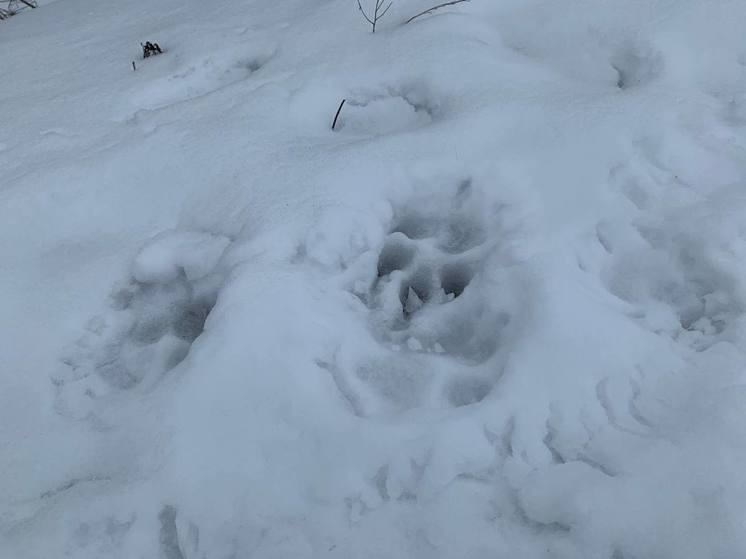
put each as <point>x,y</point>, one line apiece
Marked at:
<point>691,300</point>
<point>679,267</point>
<point>201,77</point>
<point>150,325</point>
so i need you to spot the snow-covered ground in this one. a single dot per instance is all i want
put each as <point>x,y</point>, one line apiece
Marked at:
<point>500,311</point>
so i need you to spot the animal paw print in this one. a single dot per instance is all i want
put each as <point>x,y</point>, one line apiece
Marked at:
<point>684,284</point>
<point>426,294</point>
<point>151,323</point>
<point>437,316</point>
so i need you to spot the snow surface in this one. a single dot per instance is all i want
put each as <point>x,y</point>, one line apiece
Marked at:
<point>498,312</point>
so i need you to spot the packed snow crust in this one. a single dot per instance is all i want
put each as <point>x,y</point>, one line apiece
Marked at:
<point>499,311</point>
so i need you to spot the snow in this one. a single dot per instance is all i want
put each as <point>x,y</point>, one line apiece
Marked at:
<point>170,254</point>
<point>499,311</point>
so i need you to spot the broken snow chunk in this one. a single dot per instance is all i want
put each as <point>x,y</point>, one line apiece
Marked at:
<point>414,303</point>
<point>360,287</point>
<point>414,344</point>
<point>170,253</point>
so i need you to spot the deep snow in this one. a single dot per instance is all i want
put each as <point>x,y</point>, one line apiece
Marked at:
<point>498,312</point>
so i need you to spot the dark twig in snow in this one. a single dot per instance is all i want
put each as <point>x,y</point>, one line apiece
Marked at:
<point>430,10</point>
<point>150,49</point>
<point>362,11</point>
<point>339,110</point>
<point>378,12</point>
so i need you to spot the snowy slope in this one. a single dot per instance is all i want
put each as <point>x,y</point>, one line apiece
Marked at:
<point>498,312</point>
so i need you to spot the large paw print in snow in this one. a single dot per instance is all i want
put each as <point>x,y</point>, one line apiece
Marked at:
<point>387,111</point>
<point>416,281</point>
<point>440,322</point>
<point>151,324</point>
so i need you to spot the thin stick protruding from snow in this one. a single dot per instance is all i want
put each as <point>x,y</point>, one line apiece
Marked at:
<point>339,110</point>
<point>376,14</point>
<point>411,19</point>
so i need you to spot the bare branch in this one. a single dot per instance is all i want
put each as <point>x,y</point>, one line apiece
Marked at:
<point>411,19</point>
<point>377,13</point>
<point>359,5</point>
<point>383,13</point>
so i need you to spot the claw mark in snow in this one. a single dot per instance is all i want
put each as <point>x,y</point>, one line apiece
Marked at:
<point>340,381</point>
<point>71,484</point>
<point>605,402</point>
<point>169,535</point>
